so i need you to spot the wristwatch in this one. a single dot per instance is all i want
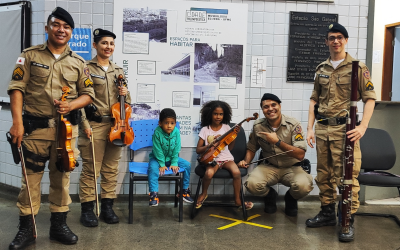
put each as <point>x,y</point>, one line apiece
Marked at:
<point>278,143</point>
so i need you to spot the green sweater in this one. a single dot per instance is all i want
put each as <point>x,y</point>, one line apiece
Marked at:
<point>166,147</point>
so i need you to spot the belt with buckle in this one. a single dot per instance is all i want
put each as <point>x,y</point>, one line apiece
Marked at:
<point>331,120</point>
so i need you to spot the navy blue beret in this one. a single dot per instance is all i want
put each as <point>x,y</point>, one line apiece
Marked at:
<point>336,27</point>
<point>63,15</point>
<point>103,33</point>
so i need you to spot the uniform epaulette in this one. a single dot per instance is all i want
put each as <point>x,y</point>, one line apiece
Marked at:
<point>291,120</point>
<point>33,47</point>
<point>258,121</point>
<point>73,54</point>
<point>362,65</point>
<point>115,65</point>
<point>319,65</point>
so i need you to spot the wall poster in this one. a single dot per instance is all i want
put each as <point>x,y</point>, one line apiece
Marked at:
<point>181,54</point>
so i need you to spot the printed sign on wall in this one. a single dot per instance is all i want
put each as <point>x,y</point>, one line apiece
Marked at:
<point>81,42</point>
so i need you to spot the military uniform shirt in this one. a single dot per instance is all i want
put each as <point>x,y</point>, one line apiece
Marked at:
<point>332,89</point>
<point>289,131</point>
<point>40,77</point>
<point>105,87</point>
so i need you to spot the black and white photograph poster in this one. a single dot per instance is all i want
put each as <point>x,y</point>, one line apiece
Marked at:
<point>146,20</point>
<point>180,54</point>
<point>145,111</point>
<point>203,94</point>
<point>176,69</point>
<point>213,61</point>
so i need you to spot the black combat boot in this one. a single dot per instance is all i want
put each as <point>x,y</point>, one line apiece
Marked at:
<point>326,217</point>
<point>270,201</point>
<point>24,236</point>
<point>107,213</point>
<point>59,229</point>
<point>88,218</point>
<point>290,205</point>
<point>347,237</point>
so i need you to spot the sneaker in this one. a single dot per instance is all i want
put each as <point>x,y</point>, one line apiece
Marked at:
<point>153,199</point>
<point>186,196</point>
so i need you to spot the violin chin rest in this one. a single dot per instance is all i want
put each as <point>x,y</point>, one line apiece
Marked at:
<point>118,142</point>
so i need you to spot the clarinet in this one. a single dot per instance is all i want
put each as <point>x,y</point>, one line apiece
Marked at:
<point>347,180</point>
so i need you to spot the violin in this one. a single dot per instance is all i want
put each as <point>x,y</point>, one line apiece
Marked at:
<point>65,155</point>
<point>121,133</point>
<point>215,148</point>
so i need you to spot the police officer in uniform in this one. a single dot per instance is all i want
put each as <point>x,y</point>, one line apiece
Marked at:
<point>275,134</point>
<point>107,155</point>
<point>332,94</point>
<point>36,87</point>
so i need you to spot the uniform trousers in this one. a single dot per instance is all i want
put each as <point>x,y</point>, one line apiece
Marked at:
<point>107,156</point>
<point>154,174</point>
<point>264,176</point>
<point>330,170</point>
<point>59,181</point>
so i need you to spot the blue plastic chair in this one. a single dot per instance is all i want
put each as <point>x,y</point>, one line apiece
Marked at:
<point>144,130</point>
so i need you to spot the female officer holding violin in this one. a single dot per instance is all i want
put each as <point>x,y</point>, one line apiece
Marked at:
<point>104,74</point>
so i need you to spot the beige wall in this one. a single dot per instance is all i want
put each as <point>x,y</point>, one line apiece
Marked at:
<point>386,12</point>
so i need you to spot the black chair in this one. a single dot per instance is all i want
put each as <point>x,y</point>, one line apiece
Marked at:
<point>378,154</point>
<point>238,152</point>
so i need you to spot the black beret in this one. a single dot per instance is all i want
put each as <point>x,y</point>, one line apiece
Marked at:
<point>103,33</point>
<point>62,14</point>
<point>336,27</point>
<point>269,96</point>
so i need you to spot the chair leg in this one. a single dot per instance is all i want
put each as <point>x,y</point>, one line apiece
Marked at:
<point>196,197</point>
<point>394,217</point>
<point>181,197</point>
<point>130,221</point>
<point>176,192</point>
<point>243,202</point>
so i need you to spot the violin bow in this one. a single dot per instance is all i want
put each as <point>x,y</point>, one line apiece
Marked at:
<point>21,155</point>
<point>95,175</point>
<point>268,157</point>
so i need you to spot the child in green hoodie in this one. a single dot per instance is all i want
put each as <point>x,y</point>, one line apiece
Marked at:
<point>166,147</point>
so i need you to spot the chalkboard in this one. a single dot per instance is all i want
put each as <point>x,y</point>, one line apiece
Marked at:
<point>307,47</point>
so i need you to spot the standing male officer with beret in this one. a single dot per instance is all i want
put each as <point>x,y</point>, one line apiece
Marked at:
<point>275,134</point>
<point>36,87</point>
<point>332,88</point>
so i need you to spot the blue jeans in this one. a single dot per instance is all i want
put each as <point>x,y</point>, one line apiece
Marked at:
<point>153,173</point>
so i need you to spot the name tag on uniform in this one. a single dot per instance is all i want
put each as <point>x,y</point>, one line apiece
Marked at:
<point>324,76</point>
<point>39,65</point>
<point>101,77</point>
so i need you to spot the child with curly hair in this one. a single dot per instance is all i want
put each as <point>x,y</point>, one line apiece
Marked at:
<point>215,118</point>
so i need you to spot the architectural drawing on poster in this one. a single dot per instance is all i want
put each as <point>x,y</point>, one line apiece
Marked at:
<point>258,71</point>
<point>176,69</point>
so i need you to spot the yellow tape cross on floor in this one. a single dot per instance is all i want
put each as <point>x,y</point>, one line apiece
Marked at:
<point>237,222</point>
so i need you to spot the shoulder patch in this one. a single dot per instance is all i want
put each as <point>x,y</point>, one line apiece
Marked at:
<point>18,74</point>
<point>366,74</point>
<point>88,83</point>
<point>298,137</point>
<point>369,86</point>
<point>20,60</point>
<point>298,129</point>
<point>86,71</point>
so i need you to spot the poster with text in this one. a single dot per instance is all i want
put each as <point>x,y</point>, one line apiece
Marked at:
<point>181,54</point>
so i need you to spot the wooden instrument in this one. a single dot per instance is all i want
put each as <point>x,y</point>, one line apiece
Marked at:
<point>21,155</point>
<point>348,161</point>
<point>95,175</point>
<point>215,148</point>
<point>121,133</point>
<point>65,155</point>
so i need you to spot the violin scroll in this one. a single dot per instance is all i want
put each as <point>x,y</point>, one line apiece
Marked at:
<point>254,117</point>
